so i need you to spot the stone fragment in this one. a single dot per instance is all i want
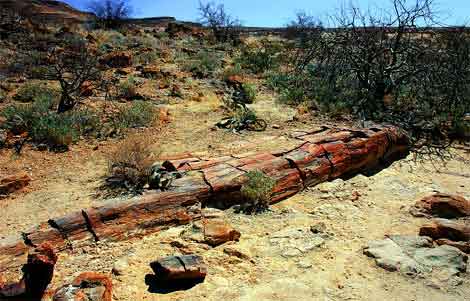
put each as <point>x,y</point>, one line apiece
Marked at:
<point>14,182</point>
<point>39,270</point>
<point>88,286</point>
<point>442,205</point>
<point>37,274</point>
<point>217,232</point>
<point>187,267</point>
<point>120,267</point>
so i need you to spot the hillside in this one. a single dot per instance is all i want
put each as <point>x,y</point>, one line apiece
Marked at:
<point>47,10</point>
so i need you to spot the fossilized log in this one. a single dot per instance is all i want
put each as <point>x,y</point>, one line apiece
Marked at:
<point>321,155</point>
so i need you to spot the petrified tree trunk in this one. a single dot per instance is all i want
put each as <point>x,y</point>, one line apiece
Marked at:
<point>321,155</point>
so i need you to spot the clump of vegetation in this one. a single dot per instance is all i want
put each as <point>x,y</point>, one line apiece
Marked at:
<point>3,95</point>
<point>257,190</point>
<point>224,27</point>
<point>204,64</point>
<point>261,57</point>
<point>385,71</point>
<point>129,166</point>
<point>249,91</point>
<point>147,57</point>
<point>128,88</point>
<point>31,91</point>
<point>44,126</point>
<point>235,70</point>
<point>111,14</point>
<point>139,114</point>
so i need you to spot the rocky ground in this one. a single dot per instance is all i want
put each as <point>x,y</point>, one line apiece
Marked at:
<point>308,247</point>
<point>279,257</point>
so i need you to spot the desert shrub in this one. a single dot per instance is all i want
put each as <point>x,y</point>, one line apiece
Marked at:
<point>224,27</point>
<point>129,166</point>
<point>139,114</point>
<point>204,64</point>
<point>147,57</point>
<point>257,190</point>
<point>260,57</point>
<point>128,88</point>
<point>43,125</point>
<point>3,95</point>
<point>110,14</point>
<point>250,92</point>
<point>235,70</point>
<point>30,91</point>
<point>389,72</point>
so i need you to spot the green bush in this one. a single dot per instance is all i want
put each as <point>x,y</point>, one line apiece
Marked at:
<point>128,88</point>
<point>147,57</point>
<point>31,91</point>
<point>203,64</point>
<point>259,59</point>
<point>236,70</point>
<point>257,190</point>
<point>3,95</point>
<point>139,114</point>
<point>250,92</point>
<point>44,125</point>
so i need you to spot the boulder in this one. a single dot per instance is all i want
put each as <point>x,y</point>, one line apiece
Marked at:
<point>117,60</point>
<point>88,286</point>
<point>442,205</point>
<point>187,267</point>
<point>14,182</point>
<point>443,228</point>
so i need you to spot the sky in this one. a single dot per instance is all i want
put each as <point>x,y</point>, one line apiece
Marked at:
<point>274,13</point>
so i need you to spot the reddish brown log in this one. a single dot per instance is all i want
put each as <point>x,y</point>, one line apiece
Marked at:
<point>322,154</point>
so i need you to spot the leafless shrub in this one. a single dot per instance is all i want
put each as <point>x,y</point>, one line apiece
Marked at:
<point>225,28</point>
<point>110,14</point>
<point>390,66</point>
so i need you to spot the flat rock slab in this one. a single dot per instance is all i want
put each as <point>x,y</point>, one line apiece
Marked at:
<point>187,267</point>
<point>415,255</point>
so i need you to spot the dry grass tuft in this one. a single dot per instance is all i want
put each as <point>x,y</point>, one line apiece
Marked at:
<point>130,164</point>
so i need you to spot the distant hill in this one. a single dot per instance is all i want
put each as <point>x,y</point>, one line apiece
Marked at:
<point>47,10</point>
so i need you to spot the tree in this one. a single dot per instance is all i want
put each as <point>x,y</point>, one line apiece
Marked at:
<point>110,13</point>
<point>225,28</point>
<point>73,65</point>
<point>389,66</point>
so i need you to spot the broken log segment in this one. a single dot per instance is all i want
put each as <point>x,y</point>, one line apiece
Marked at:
<point>321,155</point>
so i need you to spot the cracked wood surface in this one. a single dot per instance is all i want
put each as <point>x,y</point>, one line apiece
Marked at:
<point>322,155</point>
